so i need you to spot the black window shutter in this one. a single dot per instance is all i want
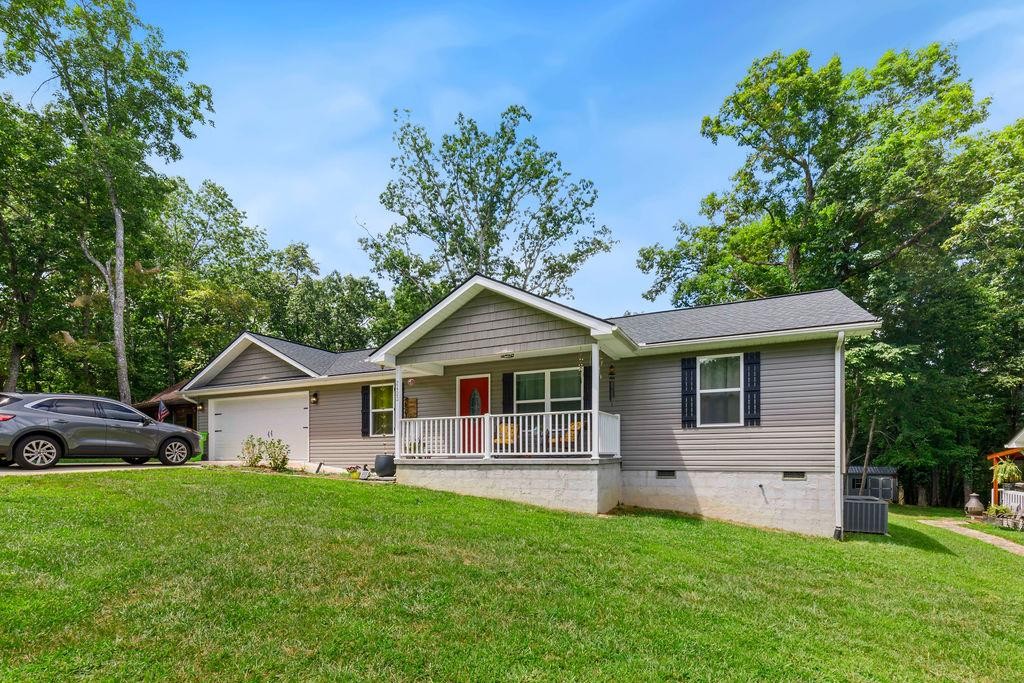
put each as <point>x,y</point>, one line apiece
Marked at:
<point>508,393</point>
<point>689,392</point>
<point>588,388</point>
<point>366,410</point>
<point>752,388</point>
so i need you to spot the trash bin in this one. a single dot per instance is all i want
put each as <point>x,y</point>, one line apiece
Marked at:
<point>384,465</point>
<point>202,445</point>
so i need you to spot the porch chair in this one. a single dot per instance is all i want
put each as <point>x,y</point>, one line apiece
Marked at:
<point>568,437</point>
<point>505,439</point>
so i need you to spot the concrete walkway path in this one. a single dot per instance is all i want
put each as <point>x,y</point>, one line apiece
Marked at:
<point>16,471</point>
<point>958,527</point>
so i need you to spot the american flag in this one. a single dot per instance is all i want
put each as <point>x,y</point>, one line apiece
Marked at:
<point>162,412</point>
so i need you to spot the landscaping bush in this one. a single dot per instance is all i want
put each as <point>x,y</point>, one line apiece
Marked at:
<point>265,452</point>
<point>277,453</point>
<point>252,451</point>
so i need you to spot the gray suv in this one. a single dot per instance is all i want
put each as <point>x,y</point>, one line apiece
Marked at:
<point>37,430</point>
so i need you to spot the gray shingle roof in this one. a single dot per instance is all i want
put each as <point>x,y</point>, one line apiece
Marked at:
<point>315,359</point>
<point>774,314</point>
<point>352,362</point>
<point>872,469</point>
<point>320,361</point>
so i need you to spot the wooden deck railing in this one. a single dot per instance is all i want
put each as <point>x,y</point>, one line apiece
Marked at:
<point>550,434</point>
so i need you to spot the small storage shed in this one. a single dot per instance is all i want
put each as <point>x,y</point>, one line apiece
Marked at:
<point>182,410</point>
<point>882,482</point>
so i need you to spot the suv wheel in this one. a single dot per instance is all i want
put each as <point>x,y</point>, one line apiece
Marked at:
<point>175,452</point>
<point>142,460</point>
<point>37,452</point>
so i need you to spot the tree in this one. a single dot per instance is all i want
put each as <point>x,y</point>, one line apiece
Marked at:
<point>36,183</point>
<point>845,171</point>
<point>479,202</point>
<point>124,91</point>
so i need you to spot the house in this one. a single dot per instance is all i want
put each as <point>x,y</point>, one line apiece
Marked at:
<point>882,482</point>
<point>732,411</point>
<point>183,410</point>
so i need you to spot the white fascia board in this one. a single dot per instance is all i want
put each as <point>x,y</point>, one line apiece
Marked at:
<point>779,337</point>
<point>313,382</point>
<point>476,284</point>
<point>233,350</point>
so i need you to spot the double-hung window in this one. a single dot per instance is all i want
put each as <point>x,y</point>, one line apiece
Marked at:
<point>549,391</point>
<point>720,390</point>
<point>382,416</point>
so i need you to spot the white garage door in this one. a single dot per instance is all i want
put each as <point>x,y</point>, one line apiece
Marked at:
<point>282,416</point>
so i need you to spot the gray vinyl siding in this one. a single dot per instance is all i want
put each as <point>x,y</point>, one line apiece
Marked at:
<point>490,324</point>
<point>254,365</point>
<point>335,428</point>
<point>202,419</point>
<point>436,395</point>
<point>797,430</point>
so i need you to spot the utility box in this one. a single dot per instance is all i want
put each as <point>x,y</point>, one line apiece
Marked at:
<point>865,515</point>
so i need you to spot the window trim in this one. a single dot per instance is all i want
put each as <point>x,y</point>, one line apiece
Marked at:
<point>730,390</point>
<point>547,390</point>
<point>382,410</point>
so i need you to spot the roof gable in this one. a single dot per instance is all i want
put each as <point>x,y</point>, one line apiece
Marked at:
<point>465,293</point>
<point>282,367</point>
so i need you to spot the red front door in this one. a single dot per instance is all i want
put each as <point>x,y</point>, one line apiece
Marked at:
<point>474,399</point>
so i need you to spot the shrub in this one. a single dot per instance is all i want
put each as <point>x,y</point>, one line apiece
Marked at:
<point>253,449</point>
<point>277,454</point>
<point>998,510</point>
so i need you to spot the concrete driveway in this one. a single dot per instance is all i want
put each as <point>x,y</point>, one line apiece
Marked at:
<point>15,471</point>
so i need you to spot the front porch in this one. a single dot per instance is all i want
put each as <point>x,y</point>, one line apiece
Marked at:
<point>563,434</point>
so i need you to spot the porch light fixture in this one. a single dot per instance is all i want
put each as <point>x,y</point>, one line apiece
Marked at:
<point>314,398</point>
<point>199,407</point>
<point>411,381</point>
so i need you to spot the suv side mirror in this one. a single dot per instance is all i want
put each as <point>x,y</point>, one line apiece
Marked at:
<point>146,421</point>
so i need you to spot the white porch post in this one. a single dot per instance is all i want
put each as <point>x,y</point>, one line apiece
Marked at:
<point>595,394</point>
<point>397,408</point>
<point>488,435</point>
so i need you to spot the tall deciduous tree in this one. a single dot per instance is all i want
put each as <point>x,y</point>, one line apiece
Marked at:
<point>127,95</point>
<point>479,202</point>
<point>36,183</point>
<point>845,171</point>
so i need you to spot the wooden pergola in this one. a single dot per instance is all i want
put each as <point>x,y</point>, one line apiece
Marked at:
<point>1013,454</point>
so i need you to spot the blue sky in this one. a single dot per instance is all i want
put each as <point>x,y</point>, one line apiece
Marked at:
<point>304,93</point>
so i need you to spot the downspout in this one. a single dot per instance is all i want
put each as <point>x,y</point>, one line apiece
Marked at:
<point>840,427</point>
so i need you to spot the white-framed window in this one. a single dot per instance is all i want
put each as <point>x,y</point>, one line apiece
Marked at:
<point>541,391</point>
<point>382,405</point>
<point>720,390</point>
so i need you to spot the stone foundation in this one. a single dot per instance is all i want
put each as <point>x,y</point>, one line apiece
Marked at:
<point>759,498</point>
<point>584,485</point>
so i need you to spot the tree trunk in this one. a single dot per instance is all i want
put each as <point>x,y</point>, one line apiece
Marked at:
<point>117,302</point>
<point>13,366</point>
<point>867,453</point>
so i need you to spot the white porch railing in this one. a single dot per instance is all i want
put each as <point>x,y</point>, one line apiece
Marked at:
<point>552,434</point>
<point>1013,498</point>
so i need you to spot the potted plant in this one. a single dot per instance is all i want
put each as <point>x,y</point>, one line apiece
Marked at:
<point>1005,471</point>
<point>353,471</point>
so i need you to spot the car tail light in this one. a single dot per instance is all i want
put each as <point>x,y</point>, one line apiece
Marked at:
<point>5,417</point>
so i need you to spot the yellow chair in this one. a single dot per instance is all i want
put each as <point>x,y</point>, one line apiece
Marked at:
<point>567,437</point>
<point>507,433</point>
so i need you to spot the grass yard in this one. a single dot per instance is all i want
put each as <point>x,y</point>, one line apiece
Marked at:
<point>195,574</point>
<point>1010,534</point>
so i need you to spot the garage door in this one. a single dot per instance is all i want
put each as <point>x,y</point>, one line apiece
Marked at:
<point>282,416</point>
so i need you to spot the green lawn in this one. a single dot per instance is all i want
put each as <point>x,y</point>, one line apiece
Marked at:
<point>1010,534</point>
<point>194,574</point>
